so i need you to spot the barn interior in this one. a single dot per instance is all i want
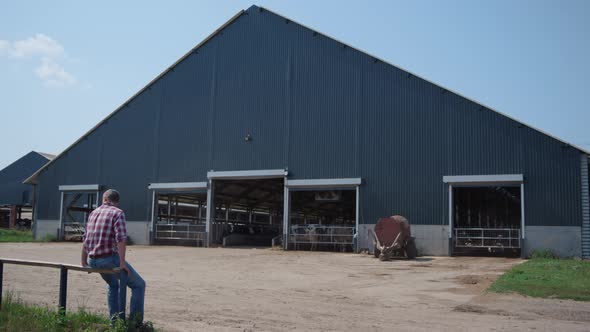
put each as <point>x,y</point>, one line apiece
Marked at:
<point>180,218</point>
<point>16,216</point>
<point>247,212</point>
<point>322,220</point>
<point>487,220</point>
<point>75,211</point>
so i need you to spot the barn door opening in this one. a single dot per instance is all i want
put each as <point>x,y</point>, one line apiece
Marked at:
<point>247,212</point>
<point>487,220</point>
<point>179,212</point>
<point>180,218</point>
<point>76,206</point>
<point>322,219</point>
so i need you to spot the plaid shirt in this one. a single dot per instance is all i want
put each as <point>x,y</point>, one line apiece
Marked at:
<point>105,228</point>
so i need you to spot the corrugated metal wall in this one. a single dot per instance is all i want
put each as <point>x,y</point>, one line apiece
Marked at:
<point>322,110</point>
<point>585,207</point>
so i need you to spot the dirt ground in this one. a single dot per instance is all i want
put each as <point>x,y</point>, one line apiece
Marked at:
<point>250,289</point>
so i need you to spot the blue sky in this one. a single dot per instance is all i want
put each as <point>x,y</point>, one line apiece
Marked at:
<point>65,65</point>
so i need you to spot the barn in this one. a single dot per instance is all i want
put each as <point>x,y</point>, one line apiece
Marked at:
<point>16,198</point>
<point>268,132</point>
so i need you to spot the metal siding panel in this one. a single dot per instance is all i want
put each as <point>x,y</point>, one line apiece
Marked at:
<point>585,206</point>
<point>250,95</point>
<point>323,130</point>
<point>183,142</point>
<point>125,158</point>
<point>119,154</point>
<point>401,143</point>
<point>49,195</point>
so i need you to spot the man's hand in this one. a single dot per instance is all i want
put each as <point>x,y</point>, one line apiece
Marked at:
<point>121,248</point>
<point>123,266</point>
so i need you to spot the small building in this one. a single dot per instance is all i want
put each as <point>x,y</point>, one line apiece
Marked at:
<point>16,198</point>
<point>270,132</point>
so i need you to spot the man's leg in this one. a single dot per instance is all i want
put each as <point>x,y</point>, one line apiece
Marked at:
<point>137,285</point>
<point>112,295</point>
<point>111,280</point>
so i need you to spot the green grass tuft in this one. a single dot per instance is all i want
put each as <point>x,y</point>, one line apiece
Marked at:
<point>544,253</point>
<point>547,278</point>
<point>17,316</point>
<point>12,235</point>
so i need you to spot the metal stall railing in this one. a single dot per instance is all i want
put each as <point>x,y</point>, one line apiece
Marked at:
<point>222,227</point>
<point>314,235</point>
<point>181,231</point>
<point>63,280</point>
<point>508,238</point>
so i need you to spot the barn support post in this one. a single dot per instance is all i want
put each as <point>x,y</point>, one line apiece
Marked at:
<point>585,252</point>
<point>34,211</point>
<point>1,278</point>
<point>522,222</point>
<point>450,219</point>
<point>153,218</point>
<point>286,210</point>
<point>210,210</point>
<point>356,237</point>
<point>12,220</point>
<point>60,230</point>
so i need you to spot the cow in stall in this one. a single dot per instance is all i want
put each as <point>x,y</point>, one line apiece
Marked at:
<point>342,237</point>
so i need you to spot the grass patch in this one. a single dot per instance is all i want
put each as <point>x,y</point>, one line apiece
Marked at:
<point>12,235</point>
<point>548,278</point>
<point>17,316</point>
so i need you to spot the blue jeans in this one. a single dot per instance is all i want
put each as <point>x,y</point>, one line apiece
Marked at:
<point>134,281</point>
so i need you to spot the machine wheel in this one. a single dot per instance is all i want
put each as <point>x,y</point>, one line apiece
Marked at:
<point>376,252</point>
<point>411,251</point>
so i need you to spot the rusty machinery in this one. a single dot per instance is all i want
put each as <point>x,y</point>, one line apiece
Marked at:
<point>392,238</point>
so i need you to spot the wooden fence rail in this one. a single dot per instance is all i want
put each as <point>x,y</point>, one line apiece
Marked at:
<point>63,279</point>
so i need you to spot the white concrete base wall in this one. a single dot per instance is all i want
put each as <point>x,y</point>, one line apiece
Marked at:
<point>364,242</point>
<point>432,240</point>
<point>139,232</point>
<point>45,228</point>
<point>566,241</point>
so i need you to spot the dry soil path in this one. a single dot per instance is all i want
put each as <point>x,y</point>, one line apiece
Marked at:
<point>270,290</point>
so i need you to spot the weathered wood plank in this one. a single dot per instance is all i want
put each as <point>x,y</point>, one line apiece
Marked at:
<point>58,266</point>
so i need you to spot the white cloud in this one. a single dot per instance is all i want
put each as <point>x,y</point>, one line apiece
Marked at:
<point>52,74</point>
<point>4,46</point>
<point>47,50</point>
<point>39,45</point>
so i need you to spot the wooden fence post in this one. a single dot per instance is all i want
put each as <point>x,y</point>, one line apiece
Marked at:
<point>1,277</point>
<point>63,289</point>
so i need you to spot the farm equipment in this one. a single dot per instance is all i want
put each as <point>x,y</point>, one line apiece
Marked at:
<point>392,238</point>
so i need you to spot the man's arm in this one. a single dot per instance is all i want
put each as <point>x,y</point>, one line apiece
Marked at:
<point>121,247</point>
<point>84,258</point>
<point>121,238</point>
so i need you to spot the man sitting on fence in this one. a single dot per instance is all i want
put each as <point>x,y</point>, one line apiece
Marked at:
<point>104,248</point>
